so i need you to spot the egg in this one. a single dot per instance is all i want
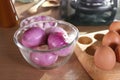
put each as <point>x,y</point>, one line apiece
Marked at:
<point>43,59</point>
<point>33,37</point>
<point>57,40</point>
<point>111,39</point>
<point>117,52</point>
<point>104,58</point>
<point>115,26</point>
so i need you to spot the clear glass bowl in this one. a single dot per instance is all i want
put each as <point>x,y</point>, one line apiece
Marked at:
<point>35,18</point>
<point>51,57</point>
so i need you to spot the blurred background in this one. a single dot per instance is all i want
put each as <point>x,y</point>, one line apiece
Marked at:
<point>61,9</point>
<point>118,11</point>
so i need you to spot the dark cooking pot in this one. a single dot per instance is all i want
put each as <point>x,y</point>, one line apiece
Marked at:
<point>88,12</point>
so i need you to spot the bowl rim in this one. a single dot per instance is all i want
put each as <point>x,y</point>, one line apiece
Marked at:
<point>17,32</point>
<point>48,18</point>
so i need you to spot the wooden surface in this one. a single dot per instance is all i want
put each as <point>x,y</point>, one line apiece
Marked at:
<point>14,67</point>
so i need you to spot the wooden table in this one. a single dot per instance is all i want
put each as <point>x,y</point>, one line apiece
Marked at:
<point>14,67</point>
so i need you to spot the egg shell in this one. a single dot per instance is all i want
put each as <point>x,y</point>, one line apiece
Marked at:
<point>115,26</point>
<point>111,39</point>
<point>56,29</point>
<point>43,59</point>
<point>117,52</point>
<point>105,58</point>
<point>65,51</point>
<point>33,37</point>
<point>87,60</point>
<point>56,40</point>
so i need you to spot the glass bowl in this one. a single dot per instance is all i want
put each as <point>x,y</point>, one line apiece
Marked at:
<point>35,18</point>
<point>41,56</point>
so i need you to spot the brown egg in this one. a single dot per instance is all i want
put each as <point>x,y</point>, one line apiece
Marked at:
<point>104,58</point>
<point>111,39</point>
<point>117,52</point>
<point>115,26</point>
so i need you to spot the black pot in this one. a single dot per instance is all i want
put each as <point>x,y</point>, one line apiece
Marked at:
<point>89,12</point>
